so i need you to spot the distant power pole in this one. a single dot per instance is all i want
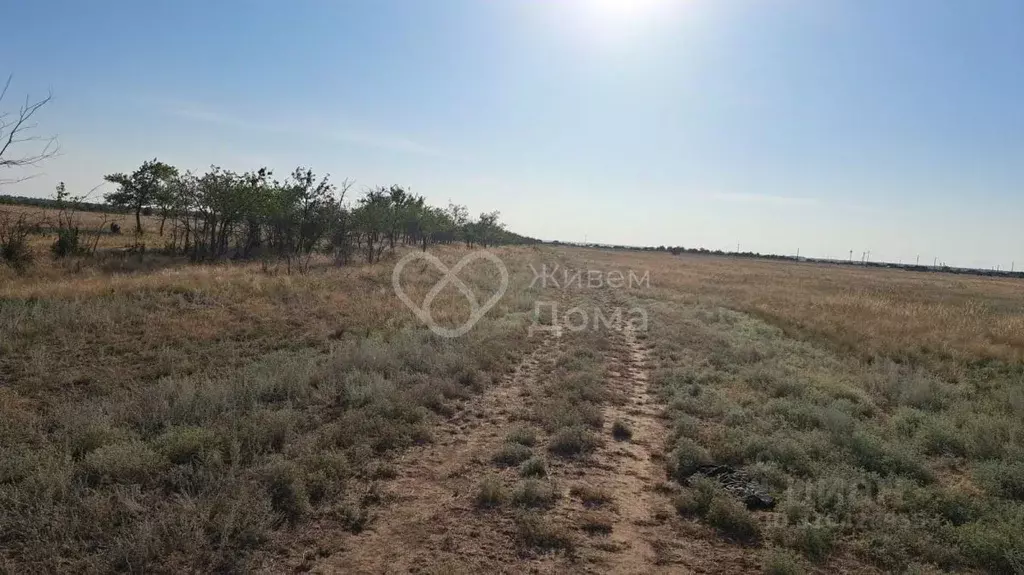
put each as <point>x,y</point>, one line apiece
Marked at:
<point>1011,266</point>
<point>935,262</point>
<point>918,260</point>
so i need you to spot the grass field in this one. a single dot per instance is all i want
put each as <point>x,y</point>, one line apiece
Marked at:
<point>162,416</point>
<point>884,406</point>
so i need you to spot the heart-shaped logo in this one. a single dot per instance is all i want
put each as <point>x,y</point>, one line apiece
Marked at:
<point>451,276</point>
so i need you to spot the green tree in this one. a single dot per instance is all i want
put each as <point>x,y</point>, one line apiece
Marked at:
<point>141,189</point>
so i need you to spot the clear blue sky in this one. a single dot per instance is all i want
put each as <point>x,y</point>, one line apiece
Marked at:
<point>895,126</point>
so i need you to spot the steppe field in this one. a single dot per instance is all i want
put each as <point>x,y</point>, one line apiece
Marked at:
<point>706,414</point>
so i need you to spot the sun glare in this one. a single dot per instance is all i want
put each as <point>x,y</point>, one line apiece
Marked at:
<point>617,18</point>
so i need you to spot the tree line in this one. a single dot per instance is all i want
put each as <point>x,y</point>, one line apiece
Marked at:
<point>222,213</point>
<point>252,215</point>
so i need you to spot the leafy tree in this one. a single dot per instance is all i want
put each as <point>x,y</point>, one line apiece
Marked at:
<point>141,189</point>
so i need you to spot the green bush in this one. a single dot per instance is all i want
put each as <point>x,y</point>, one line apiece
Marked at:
<point>814,541</point>
<point>287,489</point>
<point>534,493</point>
<point>696,502</point>
<point>17,254</point>
<point>573,441</point>
<point>732,519</point>
<point>686,459</point>
<point>67,243</point>
<point>182,445</point>
<point>490,493</point>
<point>1003,478</point>
<point>511,454</point>
<point>126,462</point>
<point>996,545</point>
<point>621,431</point>
<point>940,437</point>
<point>96,435</point>
<point>523,436</point>
<point>533,467</point>
<point>782,562</point>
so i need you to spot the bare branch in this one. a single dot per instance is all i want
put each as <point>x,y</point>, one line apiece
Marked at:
<point>16,132</point>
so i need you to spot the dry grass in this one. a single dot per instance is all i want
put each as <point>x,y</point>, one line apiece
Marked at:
<point>177,419</point>
<point>163,416</point>
<point>941,319</point>
<point>881,407</point>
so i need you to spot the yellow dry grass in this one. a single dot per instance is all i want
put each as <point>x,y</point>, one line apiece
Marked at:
<point>937,318</point>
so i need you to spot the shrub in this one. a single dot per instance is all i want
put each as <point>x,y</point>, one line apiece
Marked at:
<point>591,496</point>
<point>534,493</point>
<point>354,517</point>
<point>940,438</point>
<point>573,441</point>
<point>873,455</point>
<point>621,431</point>
<point>534,532</point>
<point>732,519</point>
<point>782,562</point>
<point>1004,479</point>
<point>67,243</point>
<point>686,426</point>
<point>686,459</point>
<point>696,502</point>
<point>511,454</point>
<point>490,494</point>
<point>240,520</point>
<point>96,435</point>
<point>287,489</point>
<point>325,474</point>
<point>995,545</point>
<point>182,445</point>
<point>523,436</point>
<point>126,462</point>
<point>15,251</point>
<point>815,542</point>
<point>533,467</point>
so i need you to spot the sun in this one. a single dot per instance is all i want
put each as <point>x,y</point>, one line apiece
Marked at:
<point>624,9</point>
<point>618,18</point>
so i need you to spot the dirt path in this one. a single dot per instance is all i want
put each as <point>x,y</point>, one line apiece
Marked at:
<point>631,469</point>
<point>430,522</point>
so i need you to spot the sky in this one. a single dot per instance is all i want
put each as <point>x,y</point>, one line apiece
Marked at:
<point>828,126</point>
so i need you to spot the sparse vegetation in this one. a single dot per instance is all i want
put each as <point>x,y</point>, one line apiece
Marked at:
<point>235,402</point>
<point>533,467</point>
<point>534,493</point>
<point>590,495</point>
<point>512,454</point>
<point>573,441</point>
<point>491,493</point>
<point>178,419</point>
<point>535,532</point>
<point>871,411</point>
<point>621,431</point>
<point>523,436</point>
